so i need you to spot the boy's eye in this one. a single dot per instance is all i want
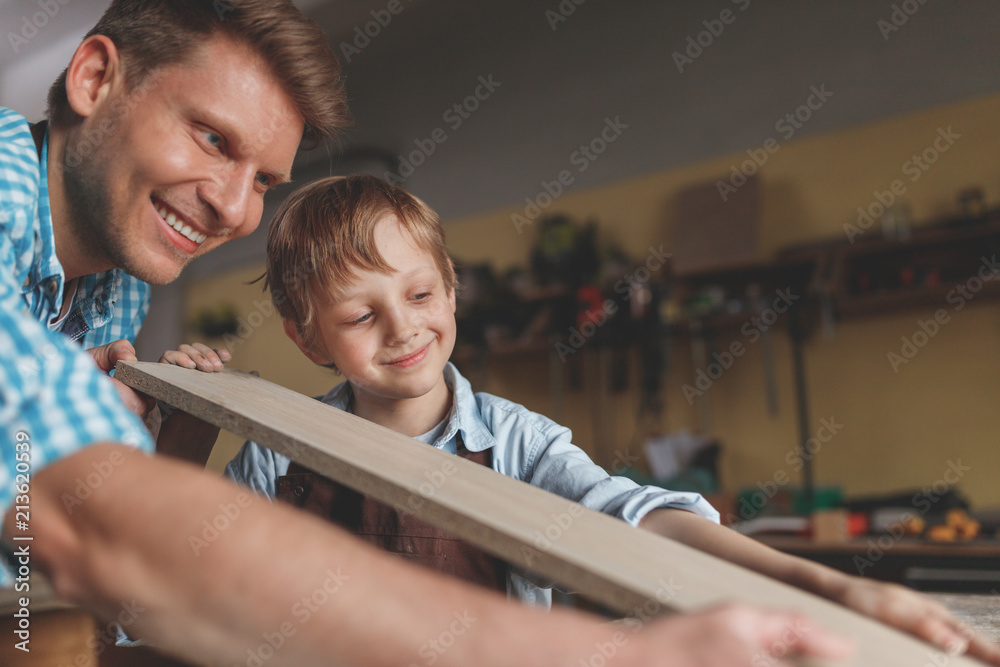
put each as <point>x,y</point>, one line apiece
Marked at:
<point>421,296</point>
<point>361,320</point>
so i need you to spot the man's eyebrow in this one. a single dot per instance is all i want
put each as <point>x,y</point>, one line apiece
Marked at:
<point>233,134</point>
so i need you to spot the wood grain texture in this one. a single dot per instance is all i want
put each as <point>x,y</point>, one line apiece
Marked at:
<point>632,571</point>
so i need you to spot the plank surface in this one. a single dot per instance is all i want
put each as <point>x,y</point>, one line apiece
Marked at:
<point>632,571</point>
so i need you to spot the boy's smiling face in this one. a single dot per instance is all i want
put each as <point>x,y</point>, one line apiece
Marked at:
<point>390,334</point>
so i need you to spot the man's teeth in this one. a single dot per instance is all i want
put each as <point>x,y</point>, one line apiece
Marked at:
<point>180,227</point>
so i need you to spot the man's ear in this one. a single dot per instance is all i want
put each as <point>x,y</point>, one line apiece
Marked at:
<point>93,75</point>
<point>315,356</point>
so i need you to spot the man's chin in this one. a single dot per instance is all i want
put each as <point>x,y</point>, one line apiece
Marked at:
<point>163,273</point>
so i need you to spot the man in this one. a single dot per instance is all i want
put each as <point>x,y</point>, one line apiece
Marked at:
<point>172,120</point>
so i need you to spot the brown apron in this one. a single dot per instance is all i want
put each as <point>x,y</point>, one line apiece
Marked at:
<point>393,530</point>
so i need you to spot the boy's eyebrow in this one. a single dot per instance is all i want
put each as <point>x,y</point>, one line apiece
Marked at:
<point>355,292</point>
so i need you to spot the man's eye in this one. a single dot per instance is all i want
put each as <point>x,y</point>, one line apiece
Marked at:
<point>264,180</point>
<point>421,296</point>
<point>213,139</point>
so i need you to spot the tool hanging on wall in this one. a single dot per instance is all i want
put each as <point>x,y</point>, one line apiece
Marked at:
<point>756,300</point>
<point>699,357</point>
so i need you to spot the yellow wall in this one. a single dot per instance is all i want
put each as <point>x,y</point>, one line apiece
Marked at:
<point>899,429</point>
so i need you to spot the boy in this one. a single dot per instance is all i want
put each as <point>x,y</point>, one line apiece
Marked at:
<point>379,308</point>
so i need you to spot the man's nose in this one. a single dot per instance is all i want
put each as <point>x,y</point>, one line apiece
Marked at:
<point>229,192</point>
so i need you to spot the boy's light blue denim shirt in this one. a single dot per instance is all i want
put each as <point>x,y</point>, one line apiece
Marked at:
<point>526,446</point>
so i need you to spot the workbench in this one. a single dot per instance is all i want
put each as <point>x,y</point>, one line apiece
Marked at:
<point>961,567</point>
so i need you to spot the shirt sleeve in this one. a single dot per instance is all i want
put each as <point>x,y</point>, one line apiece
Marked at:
<point>257,468</point>
<point>53,398</point>
<point>554,463</point>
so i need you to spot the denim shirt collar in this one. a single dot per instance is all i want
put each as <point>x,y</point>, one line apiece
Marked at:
<point>465,418</point>
<point>96,294</point>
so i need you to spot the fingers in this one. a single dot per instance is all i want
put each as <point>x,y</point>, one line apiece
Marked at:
<point>135,401</point>
<point>921,616</point>
<point>106,356</point>
<point>984,649</point>
<point>197,355</point>
<point>779,634</point>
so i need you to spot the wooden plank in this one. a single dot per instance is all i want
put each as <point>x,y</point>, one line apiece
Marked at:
<point>632,571</point>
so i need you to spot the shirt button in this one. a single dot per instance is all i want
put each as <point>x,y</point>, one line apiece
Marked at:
<point>52,287</point>
<point>299,490</point>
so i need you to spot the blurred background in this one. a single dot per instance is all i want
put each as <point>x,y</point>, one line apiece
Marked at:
<point>736,246</point>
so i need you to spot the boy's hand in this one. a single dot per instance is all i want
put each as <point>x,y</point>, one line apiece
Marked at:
<point>917,614</point>
<point>183,435</point>
<point>734,636</point>
<point>197,356</point>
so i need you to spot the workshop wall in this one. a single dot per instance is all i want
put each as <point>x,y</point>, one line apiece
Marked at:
<point>899,429</point>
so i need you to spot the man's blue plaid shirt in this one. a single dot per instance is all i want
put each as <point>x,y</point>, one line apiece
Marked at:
<point>51,393</point>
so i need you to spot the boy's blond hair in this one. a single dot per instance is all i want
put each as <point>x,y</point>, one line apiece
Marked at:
<point>325,231</point>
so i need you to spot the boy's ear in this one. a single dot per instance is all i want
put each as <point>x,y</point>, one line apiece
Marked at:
<point>93,75</point>
<point>315,356</point>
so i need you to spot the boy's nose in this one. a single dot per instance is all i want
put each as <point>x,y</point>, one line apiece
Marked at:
<point>402,327</point>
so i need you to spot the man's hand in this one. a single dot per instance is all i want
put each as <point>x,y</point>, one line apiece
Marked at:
<point>106,356</point>
<point>735,636</point>
<point>197,355</point>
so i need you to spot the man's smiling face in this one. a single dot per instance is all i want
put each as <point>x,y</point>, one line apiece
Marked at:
<point>158,176</point>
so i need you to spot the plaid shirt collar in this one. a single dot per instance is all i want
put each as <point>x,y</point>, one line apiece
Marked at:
<point>43,282</point>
